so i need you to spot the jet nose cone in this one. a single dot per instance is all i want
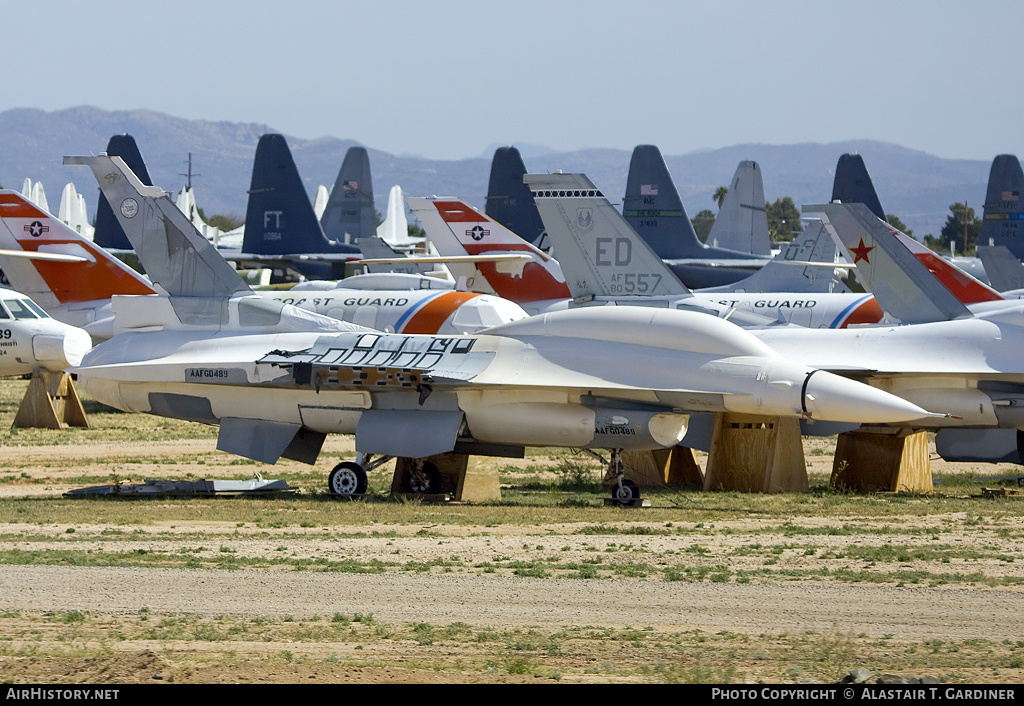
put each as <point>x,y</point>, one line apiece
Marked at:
<point>832,398</point>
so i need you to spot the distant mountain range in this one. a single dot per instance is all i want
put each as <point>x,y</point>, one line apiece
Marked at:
<point>916,186</point>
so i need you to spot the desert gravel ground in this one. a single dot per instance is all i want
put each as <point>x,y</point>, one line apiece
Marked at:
<point>497,601</point>
<point>907,614</point>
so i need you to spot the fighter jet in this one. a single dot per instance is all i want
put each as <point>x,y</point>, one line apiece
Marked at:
<point>277,379</point>
<point>964,364</point>
<point>979,338</point>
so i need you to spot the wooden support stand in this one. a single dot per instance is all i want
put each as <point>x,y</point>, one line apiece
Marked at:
<point>878,461</point>
<point>51,402</point>
<point>471,482</point>
<point>756,455</point>
<point>663,467</point>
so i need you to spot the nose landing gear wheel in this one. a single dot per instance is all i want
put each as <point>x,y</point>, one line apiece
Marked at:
<point>347,480</point>
<point>626,492</point>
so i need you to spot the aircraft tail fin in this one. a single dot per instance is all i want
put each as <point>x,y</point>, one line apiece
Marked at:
<point>852,184</point>
<point>108,233</point>
<point>1004,210</point>
<point>653,209</point>
<point>395,227</point>
<point>95,275</point>
<point>742,222</point>
<point>1004,271</point>
<point>350,213</point>
<point>457,229</point>
<point>784,273</point>
<point>600,254</point>
<point>175,255</point>
<point>279,219</point>
<point>903,285</point>
<point>509,201</point>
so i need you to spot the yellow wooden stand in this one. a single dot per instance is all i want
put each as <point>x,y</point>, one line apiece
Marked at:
<point>51,402</point>
<point>879,461</point>
<point>756,455</point>
<point>663,467</point>
<point>474,482</point>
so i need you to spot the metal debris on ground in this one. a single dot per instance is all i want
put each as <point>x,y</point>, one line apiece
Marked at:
<point>203,487</point>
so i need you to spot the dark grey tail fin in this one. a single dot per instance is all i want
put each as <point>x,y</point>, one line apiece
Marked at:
<point>1004,210</point>
<point>852,184</point>
<point>108,233</point>
<point>350,212</point>
<point>280,219</point>
<point>653,208</point>
<point>509,200</point>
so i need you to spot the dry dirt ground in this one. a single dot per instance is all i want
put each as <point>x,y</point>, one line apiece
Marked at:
<point>96,623</point>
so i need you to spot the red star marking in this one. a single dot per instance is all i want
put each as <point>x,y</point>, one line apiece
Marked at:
<point>861,252</point>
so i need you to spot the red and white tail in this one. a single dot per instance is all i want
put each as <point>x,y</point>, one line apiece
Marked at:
<point>962,285</point>
<point>457,229</point>
<point>91,275</point>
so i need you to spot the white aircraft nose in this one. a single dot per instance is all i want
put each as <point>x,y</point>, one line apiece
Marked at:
<point>56,351</point>
<point>833,398</point>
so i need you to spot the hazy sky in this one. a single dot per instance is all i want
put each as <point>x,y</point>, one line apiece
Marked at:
<point>447,79</point>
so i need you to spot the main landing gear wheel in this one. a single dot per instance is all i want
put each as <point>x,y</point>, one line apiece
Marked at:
<point>422,479</point>
<point>347,480</point>
<point>625,492</point>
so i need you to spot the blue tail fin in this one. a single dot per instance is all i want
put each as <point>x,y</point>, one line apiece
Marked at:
<point>509,200</point>
<point>280,219</point>
<point>852,184</point>
<point>108,233</point>
<point>1004,210</point>
<point>350,212</point>
<point>653,208</point>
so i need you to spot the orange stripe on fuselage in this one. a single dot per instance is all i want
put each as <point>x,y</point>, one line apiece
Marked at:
<point>867,313</point>
<point>432,315</point>
<point>73,282</point>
